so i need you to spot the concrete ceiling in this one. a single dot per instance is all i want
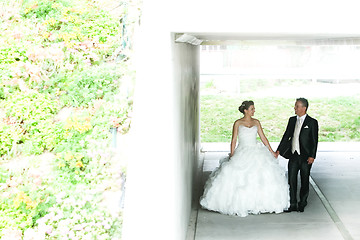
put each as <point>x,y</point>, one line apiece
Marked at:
<point>226,38</point>
<point>270,36</point>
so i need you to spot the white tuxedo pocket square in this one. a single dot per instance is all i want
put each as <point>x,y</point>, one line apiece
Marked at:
<point>306,126</point>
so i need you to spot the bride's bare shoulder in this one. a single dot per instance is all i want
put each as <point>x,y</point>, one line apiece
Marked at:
<point>238,122</point>
<point>256,122</point>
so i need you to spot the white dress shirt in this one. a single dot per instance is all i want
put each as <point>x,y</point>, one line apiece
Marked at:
<point>295,140</point>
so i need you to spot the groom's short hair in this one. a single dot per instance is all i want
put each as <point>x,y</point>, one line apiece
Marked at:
<point>304,102</point>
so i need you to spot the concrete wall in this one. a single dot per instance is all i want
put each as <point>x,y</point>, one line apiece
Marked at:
<point>165,131</point>
<point>186,77</point>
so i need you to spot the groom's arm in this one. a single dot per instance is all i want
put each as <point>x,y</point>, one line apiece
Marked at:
<point>314,135</point>
<point>284,140</point>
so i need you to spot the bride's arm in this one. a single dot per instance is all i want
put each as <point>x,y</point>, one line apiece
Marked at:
<point>234,137</point>
<point>263,138</point>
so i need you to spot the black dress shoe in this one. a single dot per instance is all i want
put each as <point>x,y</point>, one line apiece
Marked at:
<point>291,209</point>
<point>301,206</point>
<point>301,209</point>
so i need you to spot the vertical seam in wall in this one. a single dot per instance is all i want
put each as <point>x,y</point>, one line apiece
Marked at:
<point>336,219</point>
<point>195,215</point>
<point>196,206</point>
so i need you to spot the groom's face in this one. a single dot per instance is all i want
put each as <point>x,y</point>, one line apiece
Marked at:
<point>300,110</point>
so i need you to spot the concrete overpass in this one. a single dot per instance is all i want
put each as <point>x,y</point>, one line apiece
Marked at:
<point>164,174</point>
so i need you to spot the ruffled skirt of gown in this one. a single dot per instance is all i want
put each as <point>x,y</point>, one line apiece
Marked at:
<point>250,182</point>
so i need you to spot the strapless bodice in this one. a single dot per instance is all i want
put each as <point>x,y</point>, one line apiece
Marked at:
<point>247,136</point>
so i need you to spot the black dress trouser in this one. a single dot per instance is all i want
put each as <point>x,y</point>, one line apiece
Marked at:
<point>297,163</point>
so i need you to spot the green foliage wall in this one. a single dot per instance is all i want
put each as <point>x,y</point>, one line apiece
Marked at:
<point>56,54</point>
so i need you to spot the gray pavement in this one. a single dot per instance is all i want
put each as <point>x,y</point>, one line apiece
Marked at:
<point>333,206</point>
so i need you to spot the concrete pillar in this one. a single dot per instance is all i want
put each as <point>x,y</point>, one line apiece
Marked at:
<point>165,130</point>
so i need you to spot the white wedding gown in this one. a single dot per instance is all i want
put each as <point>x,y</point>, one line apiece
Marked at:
<point>250,182</point>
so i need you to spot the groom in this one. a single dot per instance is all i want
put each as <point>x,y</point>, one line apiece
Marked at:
<point>299,145</point>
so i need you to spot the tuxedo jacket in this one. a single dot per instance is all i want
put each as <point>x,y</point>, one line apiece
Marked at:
<point>308,138</point>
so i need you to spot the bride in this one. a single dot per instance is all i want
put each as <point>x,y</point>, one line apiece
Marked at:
<point>250,181</point>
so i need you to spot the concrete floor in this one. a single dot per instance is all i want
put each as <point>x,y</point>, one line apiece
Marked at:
<point>333,206</point>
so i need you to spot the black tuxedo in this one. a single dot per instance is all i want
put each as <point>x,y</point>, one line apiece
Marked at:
<point>308,140</point>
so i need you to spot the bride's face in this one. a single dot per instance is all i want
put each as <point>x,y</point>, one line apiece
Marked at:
<point>251,110</point>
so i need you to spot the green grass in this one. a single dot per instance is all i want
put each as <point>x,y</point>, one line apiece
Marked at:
<point>338,117</point>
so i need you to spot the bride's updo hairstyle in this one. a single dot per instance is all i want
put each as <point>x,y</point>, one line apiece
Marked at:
<point>245,105</point>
